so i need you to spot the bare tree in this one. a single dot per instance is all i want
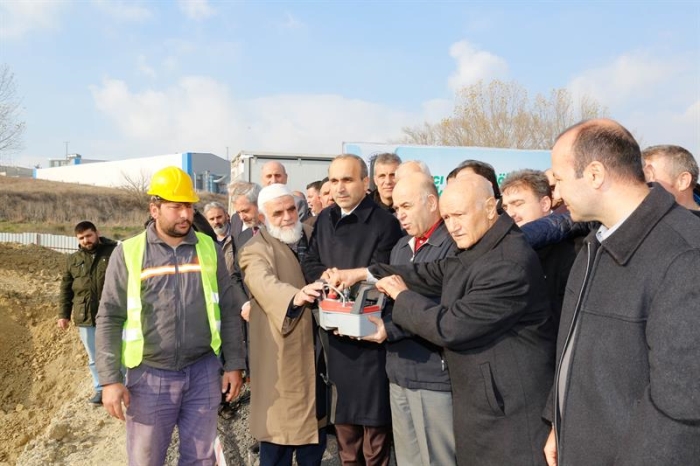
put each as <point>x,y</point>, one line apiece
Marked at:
<point>137,185</point>
<point>11,128</point>
<point>501,114</point>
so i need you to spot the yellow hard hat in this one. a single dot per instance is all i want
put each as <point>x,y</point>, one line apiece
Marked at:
<point>173,184</point>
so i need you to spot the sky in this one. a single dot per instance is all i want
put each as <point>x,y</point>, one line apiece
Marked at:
<point>118,79</point>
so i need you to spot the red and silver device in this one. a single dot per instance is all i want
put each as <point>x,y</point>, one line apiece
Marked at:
<point>349,314</point>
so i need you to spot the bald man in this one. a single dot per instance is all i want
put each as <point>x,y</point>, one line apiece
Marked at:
<point>628,379</point>
<point>416,368</point>
<point>273,172</point>
<point>493,322</point>
<point>412,166</point>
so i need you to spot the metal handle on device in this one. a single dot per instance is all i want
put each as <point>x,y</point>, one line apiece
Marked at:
<point>338,292</point>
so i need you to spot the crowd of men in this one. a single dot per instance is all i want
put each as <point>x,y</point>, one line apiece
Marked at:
<point>549,319</point>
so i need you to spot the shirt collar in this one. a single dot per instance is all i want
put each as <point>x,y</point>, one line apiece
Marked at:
<point>362,211</point>
<point>632,232</point>
<point>345,214</point>
<point>419,241</point>
<point>604,232</point>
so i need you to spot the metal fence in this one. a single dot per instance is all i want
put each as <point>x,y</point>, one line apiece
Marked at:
<point>66,244</point>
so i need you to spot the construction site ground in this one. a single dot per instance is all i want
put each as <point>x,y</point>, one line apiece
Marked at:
<point>45,418</point>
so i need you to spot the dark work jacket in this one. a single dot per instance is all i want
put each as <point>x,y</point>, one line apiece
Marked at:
<point>556,260</point>
<point>82,281</point>
<point>356,369</point>
<point>631,322</point>
<point>411,361</point>
<point>494,323</point>
<point>378,200</point>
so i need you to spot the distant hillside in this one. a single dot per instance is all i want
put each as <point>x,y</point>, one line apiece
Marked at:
<point>29,205</point>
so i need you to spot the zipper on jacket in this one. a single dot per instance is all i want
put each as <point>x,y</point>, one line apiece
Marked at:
<point>93,280</point>
<point>177,310</point>
<point>584,284</point>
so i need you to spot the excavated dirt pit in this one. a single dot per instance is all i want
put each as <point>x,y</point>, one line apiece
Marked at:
<point>45,418</point>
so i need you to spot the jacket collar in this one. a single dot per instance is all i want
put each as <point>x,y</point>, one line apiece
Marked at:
<point>622,244</point>
<point>152,235</point>
<point>104,242</point>
<point>362,211</point>
<point>439,236</point>
<point>504,224</point>
<point>377,198</point>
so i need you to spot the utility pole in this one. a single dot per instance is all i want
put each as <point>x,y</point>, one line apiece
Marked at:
<point>66,143</point>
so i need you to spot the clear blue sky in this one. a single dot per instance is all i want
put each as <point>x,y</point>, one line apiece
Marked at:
<point>129,79</point>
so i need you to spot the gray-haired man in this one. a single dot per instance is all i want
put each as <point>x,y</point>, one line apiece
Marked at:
<point>220,222</point>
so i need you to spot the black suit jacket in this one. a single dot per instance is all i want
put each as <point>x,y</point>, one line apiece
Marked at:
<point>355,368</point>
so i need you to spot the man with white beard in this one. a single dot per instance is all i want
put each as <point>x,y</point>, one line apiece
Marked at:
<point>287,396</point>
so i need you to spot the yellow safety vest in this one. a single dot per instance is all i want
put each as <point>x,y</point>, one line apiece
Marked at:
<point>132,333</point>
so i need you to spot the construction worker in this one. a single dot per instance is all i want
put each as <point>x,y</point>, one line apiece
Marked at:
<point>166,314</point>
<point>81,288</point>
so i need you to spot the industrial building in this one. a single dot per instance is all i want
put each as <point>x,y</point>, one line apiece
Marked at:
<point>210,172</point>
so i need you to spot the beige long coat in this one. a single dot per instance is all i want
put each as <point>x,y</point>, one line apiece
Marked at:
<point>282,367</point>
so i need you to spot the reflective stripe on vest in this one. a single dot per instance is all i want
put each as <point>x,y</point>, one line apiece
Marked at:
<point>132,333</point>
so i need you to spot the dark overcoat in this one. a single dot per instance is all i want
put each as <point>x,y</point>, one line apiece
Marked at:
<point>556,260</point>
<point>359,385</point>
<point>629,391</point>
<point>494,322</point>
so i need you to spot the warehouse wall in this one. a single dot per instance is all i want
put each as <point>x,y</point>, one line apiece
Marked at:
<point>117,173</point>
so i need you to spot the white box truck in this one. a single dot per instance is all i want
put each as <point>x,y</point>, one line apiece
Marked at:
<point>302,169</point>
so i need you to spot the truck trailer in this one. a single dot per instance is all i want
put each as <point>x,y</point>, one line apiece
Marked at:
<point>302,169</point>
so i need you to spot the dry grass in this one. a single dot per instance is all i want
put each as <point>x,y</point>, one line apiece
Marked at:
<point>29,205</point>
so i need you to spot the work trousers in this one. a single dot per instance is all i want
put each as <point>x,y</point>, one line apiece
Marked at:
<point>363,445</point>
<point>87,336</point>
<point>273,454</point>
<point>161,399</point>
<point>422,425</point>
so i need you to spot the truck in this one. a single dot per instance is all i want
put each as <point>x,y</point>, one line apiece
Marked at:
<point>302,169</point>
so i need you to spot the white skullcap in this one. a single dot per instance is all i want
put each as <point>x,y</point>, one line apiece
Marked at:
<point>271,192</point>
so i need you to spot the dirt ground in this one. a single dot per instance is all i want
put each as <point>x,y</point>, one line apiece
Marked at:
<point>45,418</point>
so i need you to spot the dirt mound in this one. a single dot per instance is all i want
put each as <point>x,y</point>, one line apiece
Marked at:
<point>45,383</point>
<point>41,365</point>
